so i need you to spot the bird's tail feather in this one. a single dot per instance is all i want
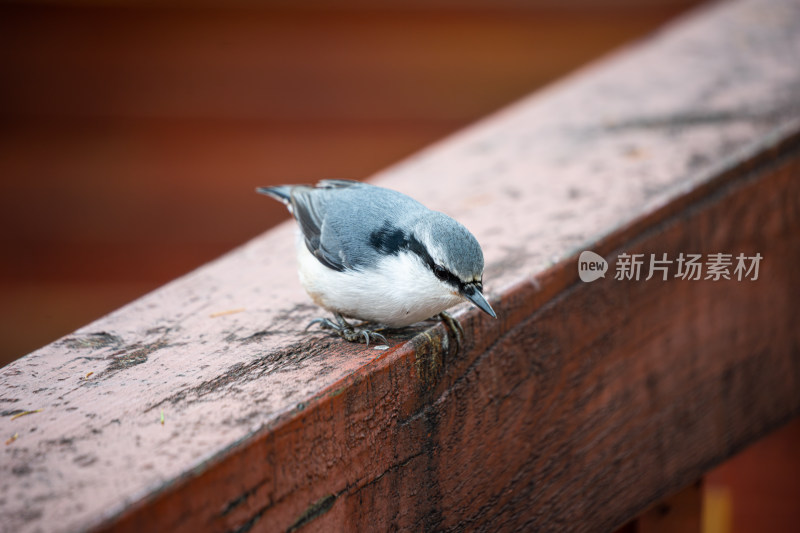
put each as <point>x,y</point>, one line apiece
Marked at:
<point>336,184</point>
<point>282,193</point>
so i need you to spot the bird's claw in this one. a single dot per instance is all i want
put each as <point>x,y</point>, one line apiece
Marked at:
<point>324,323</point>
<point>454,326</point>
<point>347,331</point>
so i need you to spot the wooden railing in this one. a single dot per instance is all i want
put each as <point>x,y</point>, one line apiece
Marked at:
<point>204,405</point>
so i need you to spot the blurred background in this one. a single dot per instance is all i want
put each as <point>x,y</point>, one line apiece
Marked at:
<point>132,135</point>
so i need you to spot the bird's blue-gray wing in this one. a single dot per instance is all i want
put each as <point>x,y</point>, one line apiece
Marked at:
<point>309,209</point>
<point>340,221</point>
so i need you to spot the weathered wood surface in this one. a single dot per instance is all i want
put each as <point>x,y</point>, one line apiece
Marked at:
<point>579,407</point>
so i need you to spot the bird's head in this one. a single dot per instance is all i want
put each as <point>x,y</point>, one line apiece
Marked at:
<point>453,255</point>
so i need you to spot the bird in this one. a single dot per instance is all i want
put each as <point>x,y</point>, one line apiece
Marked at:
<point>378,256</point>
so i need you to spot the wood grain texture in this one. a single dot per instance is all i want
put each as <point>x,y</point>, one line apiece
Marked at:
<point>576,409</point>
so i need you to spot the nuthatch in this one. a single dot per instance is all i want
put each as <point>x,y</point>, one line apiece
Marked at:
<point>379,256</point>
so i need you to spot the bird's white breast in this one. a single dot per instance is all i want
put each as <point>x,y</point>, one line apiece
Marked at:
<point>400,290</point>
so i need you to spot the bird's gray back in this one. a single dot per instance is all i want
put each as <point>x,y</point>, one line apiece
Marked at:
<point>352,226</point>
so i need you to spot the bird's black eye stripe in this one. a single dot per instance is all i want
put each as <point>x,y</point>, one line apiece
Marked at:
<point>438,270</point>
<point>445,275</point>
<point>390,240</point>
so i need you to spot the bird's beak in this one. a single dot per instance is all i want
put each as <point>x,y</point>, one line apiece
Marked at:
<point>475,296</point>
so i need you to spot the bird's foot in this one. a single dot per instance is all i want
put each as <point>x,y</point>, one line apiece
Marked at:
<point>347,331</point>
<point>454,326</point>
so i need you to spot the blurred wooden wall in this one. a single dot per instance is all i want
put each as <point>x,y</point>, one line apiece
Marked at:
<point>133,133</point>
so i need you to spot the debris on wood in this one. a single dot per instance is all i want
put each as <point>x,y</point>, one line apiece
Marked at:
<point>23,413</point>
<point>228,312</point>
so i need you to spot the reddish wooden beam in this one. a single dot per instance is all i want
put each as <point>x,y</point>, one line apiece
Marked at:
<point>577,409</point>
